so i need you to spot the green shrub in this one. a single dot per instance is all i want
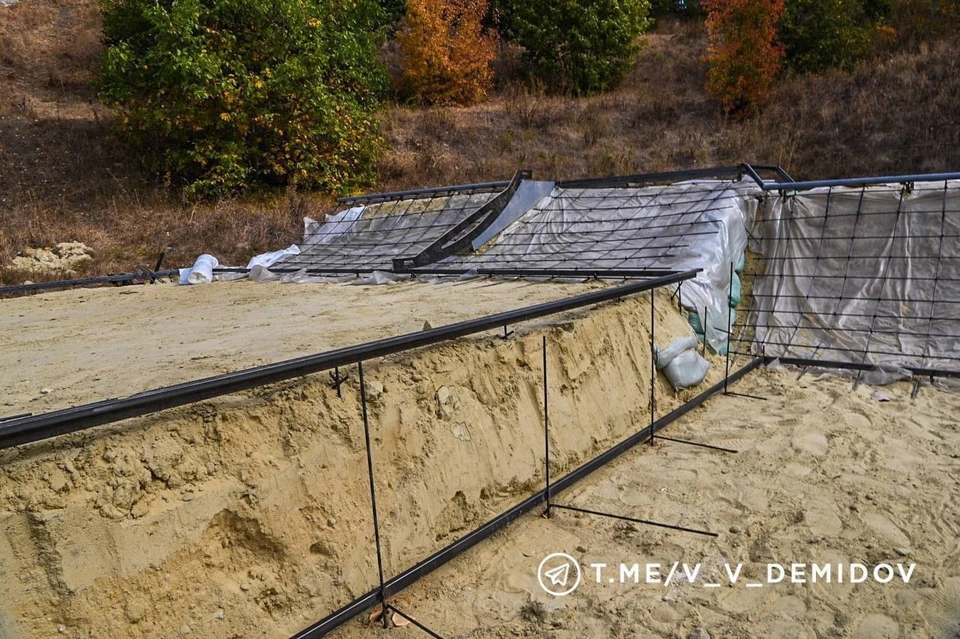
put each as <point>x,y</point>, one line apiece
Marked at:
<point>223,94</point>
<point>676,7</point>
<point>582,46</point>
<point>829,34</point>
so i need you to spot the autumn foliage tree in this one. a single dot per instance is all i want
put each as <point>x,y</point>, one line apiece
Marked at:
<point>446,51</point>
<point>743,54</point>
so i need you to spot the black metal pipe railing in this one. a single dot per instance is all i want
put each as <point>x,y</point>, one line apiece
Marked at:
<point>124,278</point>
<point>39,427</point>
<point>479,187</point>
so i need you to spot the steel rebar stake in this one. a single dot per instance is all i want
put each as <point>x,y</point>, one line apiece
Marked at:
<point>726,374</point>
<point>546,430</point>
<point>373,492</point>
<point>653,367</point>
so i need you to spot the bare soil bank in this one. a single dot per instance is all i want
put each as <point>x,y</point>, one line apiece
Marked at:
<point>249,516</point>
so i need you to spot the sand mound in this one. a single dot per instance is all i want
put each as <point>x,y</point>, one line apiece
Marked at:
<point>249,515</point>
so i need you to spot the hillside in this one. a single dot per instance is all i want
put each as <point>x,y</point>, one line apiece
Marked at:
<point>64,177</point>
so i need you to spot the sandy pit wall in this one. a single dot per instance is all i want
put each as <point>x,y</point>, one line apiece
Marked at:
<point>250,515</point>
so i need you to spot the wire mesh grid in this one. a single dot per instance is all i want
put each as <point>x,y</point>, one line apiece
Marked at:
<point>369,236</point>
<point>864,278</point>
<point>614,228</point>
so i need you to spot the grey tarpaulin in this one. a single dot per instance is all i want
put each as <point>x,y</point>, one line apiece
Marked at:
<point>681,226</point>
<point>861,275</point>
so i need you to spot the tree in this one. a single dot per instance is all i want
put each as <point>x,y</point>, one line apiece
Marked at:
<point>581,46</point>
<point>446,51</point>
<point>743,54</point>
<point>220,95</point>
<point>829,34</point>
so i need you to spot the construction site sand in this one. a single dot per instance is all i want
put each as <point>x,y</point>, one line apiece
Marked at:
<point>249,515</point>
<point>84,345</point>
<point>824,474</point>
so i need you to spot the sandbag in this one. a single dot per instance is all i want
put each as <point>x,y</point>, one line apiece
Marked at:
<point>735,291</point>
<point>663,357</point>
<point>686,369</point>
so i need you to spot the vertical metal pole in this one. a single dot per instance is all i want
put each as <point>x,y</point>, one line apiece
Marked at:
<point>680,296</point>
<point>373,492</point>
<point>653,365</point>
<point>704,327</point>
<point>546,429</point>
<point>726,375</point>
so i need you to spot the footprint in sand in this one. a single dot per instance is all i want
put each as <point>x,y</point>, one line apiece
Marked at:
<point>883,526</point>
<point>814,443</point>
<point>857,421</point>
<point>877,627</point>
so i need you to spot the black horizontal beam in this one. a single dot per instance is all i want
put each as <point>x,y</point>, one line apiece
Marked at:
<point>484,272</point>
<point>861,181</point>
<point>125,278</point>
<point>47,425</point>
<point>413,193</point>
<point>919,371</point>
<point>546,272</point>
<point>448,553</point>
<point>723,172</point>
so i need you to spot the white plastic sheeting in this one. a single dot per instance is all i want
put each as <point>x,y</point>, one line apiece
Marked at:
<point>201,272</point>
<point>266,260</point>
<point>681,226</point>
<point>863,276</point>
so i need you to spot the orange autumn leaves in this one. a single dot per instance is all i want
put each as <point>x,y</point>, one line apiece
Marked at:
<point>446,52</point>
<point>743,54</point>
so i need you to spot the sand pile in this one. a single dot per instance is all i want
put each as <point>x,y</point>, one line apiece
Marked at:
<point>161,334</point>
<point>250,515</point>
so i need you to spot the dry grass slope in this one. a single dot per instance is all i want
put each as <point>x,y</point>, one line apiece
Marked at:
<point>63,176</point>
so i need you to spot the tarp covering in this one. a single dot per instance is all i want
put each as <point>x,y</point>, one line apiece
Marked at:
<point>868,276</point>
<point>681,226</point>
<point>370,237</point>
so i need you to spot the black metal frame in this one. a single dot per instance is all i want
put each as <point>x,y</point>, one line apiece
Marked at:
<point>827,356</point>
<point>462,235</point>
<point>21,430</point>
<point>117,280</point>
<point>393,586</point>
<point>459,238</point>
